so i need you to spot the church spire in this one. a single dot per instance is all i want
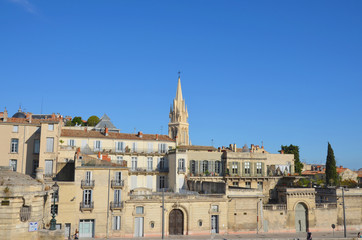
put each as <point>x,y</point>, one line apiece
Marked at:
<point>178,127</point>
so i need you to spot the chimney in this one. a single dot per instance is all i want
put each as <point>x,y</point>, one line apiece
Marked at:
<point>156,136</point>
<point>140,134</point>
<point>234,147</point>
<point>5,115</point>
<point>281,151</point>
<point>53,116</point>
<point>106,132</point>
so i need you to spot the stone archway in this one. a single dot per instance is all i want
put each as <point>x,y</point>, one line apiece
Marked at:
<point>301,218</point>
<point>176,222</point>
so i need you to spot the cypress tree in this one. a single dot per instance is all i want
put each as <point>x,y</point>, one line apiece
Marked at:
<point>331,171</point>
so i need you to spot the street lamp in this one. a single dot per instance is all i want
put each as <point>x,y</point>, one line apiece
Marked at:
<point>344,213</point>
<point>53,222</point>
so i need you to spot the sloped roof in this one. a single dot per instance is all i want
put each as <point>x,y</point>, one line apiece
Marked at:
<point>197,148</point>
<point>104,122</point>
<point>113,135</point>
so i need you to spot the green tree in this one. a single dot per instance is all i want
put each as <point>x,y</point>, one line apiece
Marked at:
<point>92,120</point>
<point>77,120</point>
<point>331,171</point>
<point>291,149</point>
<point>69,123</point>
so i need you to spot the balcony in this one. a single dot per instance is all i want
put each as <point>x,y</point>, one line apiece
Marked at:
<point>163,169</point>
<point>117,183</point>
<point>181,170</point>
<point>85,184</point>
<point>86,206</point>
<point>275,207</point>
<point>116,205</point>
<point>326,205</point>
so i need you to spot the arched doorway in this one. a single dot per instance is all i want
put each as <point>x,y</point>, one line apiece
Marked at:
<point>176,222</point>
<point>301,218</point>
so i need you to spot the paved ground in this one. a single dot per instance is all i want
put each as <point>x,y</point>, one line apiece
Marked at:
<point>274,236</point>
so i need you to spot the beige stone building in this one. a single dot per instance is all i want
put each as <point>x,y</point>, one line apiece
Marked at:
<point>114,184</point>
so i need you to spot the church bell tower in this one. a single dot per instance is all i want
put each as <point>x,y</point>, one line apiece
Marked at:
<point>178,127</point>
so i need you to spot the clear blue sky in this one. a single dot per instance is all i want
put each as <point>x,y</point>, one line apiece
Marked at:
<point>281,72</point>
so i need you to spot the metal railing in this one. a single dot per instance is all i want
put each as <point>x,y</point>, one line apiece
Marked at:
<point>139,169</point>
<point>86,205</point>
<point>326,205</point>
<point>275,207</point>
<point>116,205</point>
<point>88,150</point>
<point>87,183</point>
<point>117,183</point>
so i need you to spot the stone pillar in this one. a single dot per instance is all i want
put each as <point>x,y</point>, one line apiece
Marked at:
<point>39,173</point>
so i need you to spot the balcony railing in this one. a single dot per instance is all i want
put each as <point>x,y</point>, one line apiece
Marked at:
<point>87,183</point>
<point>275,207</point>
<point>164,169</point>
<point>88,150</point>
<point>117,183</point>
<point>326,205</point>
<point>86,206</point>
<point>146,170</point>
<point>181,170</point>
<point>116,205</point>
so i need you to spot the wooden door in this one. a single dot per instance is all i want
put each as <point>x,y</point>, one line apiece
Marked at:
<point>176,222</point>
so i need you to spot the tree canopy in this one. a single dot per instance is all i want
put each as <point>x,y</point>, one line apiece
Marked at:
<point>93,120</point>
<point>291,149</point>
<point>331,171</point>
<point>77,121</point>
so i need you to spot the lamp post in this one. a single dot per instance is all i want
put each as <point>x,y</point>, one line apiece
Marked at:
<point>344,214</point>
<point>53,222</point>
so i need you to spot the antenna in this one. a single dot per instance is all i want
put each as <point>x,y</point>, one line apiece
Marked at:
<point>41,105</point>
<point>134,130</point>
<point>161,130</point>
<point>212,142</point>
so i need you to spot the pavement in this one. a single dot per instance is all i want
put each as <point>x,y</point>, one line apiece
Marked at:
<point>275,236</point>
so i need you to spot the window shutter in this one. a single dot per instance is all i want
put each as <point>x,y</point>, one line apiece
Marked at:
<point>158,163</point>
<point>68,142</point>
<point>229,168</point>
<point>243,169</point>
<point>116,147</point>
<point>262,169</point>
<point>238,164</point>
<point>94,145</point>
<point>252,169</point>
<point>197,166</point>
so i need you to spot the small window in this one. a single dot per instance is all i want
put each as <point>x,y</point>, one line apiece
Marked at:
<point>13,164</point>
<point>214,208</point>
<point>25,213</point>
<point>139,210</point>
<point>152,224</point>
<point>236,184</point>
<point>200,223</point>
<point>51,127</point>
<point>116,222</point>
<point>14,147</point>
<point>16,128</point>
<point>248,184</point>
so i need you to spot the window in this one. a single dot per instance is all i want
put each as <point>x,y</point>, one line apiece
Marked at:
<point>134,147</point>
<point>161,164</point>
<point>204,166</point>
<point>71,142</point>
<point>247,168</point>
<point>35,165</point>
<point>258,168</point>
<point>87,197</point>
<point>119,146</point>
<point>260,185</point>
<point>88,176</point>
<point>218,167</point>
<point>234,168</point>
<point>118,176</point>
<point>54,209</point>
<point>25,213</point>
<point>162,182</point>
<point>116,222</point>
<point>50,144</point>
<point>248,184</point>
<point>117,197</point>
<point>36,146</point>
<point>214,208</point>
<point>150,147</point>
<point>13,163</point>
<point>51,127</point>
<point>236,184</point>
<point>193,167</point>
<point>139,210</point>
<point>14,145</point>
<point>181,164</point>
<point>15,128</point>
<point>162,148</point>
<point>134,163</point>
<point>149,163</point>
<point>119,159</point>
<point>97,145</point>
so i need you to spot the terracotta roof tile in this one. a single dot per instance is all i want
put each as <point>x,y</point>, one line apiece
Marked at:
<point>196,147</point>
<point>113,135</point>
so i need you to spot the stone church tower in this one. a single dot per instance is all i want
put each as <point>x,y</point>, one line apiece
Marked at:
<point>178,127</point>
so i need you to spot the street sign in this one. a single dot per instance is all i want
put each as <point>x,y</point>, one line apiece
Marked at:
<point>33,226</point>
